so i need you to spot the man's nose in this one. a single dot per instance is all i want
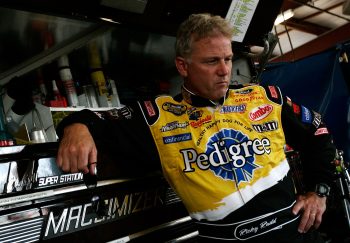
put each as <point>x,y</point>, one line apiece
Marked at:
<point>224,68</point>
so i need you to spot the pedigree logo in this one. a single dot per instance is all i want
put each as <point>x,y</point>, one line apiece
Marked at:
<point>260,112</point>
<point>231,158</point>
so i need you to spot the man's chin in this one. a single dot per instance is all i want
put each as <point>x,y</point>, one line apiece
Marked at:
<point>218,95</point>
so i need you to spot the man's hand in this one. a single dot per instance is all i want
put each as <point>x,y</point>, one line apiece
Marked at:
<point>77,150</point>
<point>312,207</point>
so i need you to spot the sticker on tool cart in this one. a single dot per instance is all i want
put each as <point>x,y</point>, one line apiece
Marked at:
<point>24,198</point>
<point>122,240</point>
<point>59,179</point>
<point>64,220</point>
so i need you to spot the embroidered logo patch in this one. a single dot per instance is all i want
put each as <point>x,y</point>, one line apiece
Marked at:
<point>273,91</point>
<point>266,127</point>
<point>149,107</point>
<point>321,131</point>
<point>247,91</point>
<point>176,109</point>
<point>233,108</point>
<point>230,154</point>
<point>177,138</point>
<point>174,125</point>
<point>194,114</point>
<point>260,112</point>
<point>306,116</point>
<point>296,109</point>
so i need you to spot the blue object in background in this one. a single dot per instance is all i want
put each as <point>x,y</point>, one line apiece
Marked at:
<point>319,82</point>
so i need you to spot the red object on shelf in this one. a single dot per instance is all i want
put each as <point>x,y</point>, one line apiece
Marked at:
<point>58,103</point>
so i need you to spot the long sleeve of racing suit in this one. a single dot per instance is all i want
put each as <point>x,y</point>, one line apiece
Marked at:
<point>311,138</point>
<point>126,135</point>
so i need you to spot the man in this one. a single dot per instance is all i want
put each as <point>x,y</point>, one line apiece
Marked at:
<point>221,149</point>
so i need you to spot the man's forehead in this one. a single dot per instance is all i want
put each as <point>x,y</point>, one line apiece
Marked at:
<point>210,49</point>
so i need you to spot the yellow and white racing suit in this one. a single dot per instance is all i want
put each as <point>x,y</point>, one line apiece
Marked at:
<point>219,155</point>
<point>225,160</point>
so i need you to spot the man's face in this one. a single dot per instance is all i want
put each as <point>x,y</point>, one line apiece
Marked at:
<point>207,71</point>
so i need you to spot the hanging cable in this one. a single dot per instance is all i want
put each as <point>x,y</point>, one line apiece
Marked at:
<point>278,41</point>
<point>290,41</point>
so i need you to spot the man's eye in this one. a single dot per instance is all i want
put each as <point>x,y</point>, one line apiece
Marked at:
<point>227,60</point>
<point>214,61</point>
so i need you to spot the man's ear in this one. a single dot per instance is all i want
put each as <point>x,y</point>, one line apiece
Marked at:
<point>181,66</point>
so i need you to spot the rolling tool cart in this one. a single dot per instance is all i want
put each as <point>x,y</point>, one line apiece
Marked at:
<point>40,203</point>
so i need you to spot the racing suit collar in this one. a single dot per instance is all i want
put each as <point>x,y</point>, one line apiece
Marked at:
<point>199,101</point>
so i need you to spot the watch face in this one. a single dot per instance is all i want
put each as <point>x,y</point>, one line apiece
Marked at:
<point>322,190</point>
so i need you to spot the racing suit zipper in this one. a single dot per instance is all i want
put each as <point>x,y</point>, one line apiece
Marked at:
<point>217,109</point>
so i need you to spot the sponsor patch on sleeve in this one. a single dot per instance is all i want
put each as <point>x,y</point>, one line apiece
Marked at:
<point>306,116</point>
<point>150,108</point>
<point>317,119</point>
<point>296,109</point>
<point>273,92</point>
<point>320,131</point>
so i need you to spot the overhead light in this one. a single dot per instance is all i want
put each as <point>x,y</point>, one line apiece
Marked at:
<point>284,16</point>
<point>109,20</point>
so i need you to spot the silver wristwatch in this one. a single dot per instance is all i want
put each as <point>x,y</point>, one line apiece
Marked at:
<point>322,189</point>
